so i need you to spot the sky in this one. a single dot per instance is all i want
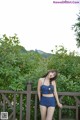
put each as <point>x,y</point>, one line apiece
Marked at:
<point>40,24</point>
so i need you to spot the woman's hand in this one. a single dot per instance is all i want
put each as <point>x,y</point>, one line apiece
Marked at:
<point>60,105</point>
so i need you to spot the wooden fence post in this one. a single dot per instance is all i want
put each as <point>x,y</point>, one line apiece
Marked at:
<point>28,100</point>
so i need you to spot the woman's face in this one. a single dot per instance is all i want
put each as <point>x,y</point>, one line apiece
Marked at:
<point>52,74</point>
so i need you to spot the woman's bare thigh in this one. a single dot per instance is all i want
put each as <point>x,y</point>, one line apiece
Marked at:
<point>50,113</point>
<point>43,110</point>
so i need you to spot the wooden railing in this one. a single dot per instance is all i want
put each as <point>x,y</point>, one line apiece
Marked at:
<point>24,105</point>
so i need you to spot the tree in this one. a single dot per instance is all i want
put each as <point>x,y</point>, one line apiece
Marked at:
<point>16,64</point>
<point>76,28</point>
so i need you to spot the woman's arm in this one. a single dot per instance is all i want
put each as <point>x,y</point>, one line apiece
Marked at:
<point>56,95</point>
<point>38,88</point>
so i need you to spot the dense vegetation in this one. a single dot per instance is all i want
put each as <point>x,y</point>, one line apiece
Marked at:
<point>76,28</point>
<point>17,66</point>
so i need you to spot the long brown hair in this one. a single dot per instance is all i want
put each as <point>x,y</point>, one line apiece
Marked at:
<point>51,79</point>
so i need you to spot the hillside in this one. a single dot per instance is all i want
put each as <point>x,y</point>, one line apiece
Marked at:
<point>42,53</point>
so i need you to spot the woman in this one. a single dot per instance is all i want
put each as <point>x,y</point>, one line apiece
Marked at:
<point>47,95</point>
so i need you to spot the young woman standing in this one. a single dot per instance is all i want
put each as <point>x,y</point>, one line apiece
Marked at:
<point>47,94</point>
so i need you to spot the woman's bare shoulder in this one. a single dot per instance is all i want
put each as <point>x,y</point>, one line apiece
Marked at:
<point>41,79</point>
<point>53,82</point>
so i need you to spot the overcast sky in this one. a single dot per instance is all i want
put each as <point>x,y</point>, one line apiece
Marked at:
<point>39,24</point>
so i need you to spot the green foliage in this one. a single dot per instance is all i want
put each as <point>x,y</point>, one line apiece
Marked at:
<point>15,64</point>
<point>76,28</point>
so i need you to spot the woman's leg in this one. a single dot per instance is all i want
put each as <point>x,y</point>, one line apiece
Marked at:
<point>43,110</point>
<point>50,112</point>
